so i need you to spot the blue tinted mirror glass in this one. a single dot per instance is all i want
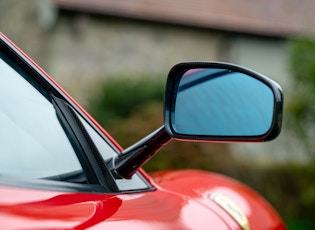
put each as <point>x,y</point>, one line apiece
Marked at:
<point>221,102</point>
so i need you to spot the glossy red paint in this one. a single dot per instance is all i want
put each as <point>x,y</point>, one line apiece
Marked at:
<point>174,205</point>
<point>152,210</point>
<point>202,184</point>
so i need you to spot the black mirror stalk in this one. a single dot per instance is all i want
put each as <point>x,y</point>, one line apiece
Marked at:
<point>131,159</point>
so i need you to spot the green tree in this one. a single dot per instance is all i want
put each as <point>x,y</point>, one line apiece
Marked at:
<point>301,105</point>
<point>301,120</point>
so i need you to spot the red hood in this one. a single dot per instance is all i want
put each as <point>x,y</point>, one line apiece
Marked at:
<point>29,209</point>
<point>174,205</point>
<point>202,187</point>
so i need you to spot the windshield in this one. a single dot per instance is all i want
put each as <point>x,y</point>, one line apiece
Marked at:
<point>33,144</point>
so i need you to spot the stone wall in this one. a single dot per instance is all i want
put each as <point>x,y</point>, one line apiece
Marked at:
<point>84,49</point>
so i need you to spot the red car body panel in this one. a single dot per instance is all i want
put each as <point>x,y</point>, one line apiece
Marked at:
<point>181,200</point>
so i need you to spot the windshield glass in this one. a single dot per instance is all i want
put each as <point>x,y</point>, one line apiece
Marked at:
<point>33,144</point>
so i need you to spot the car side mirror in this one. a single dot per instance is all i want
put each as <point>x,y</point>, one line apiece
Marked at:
<point>209,102</point>
<point>221,102</point>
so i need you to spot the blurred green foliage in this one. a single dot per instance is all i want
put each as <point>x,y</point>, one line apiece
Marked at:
<point>300,118</point>
<point>119,96</point>
<point>301,106</point>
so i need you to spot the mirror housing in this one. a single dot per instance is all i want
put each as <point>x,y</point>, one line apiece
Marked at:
<point>221,102</point>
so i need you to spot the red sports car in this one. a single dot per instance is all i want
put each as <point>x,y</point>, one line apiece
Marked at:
<point>60,170</point>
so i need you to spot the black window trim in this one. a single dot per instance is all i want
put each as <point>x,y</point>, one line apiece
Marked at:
<point>61,186</point>
<point>91,160</point>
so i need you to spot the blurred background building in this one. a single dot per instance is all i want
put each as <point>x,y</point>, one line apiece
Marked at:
<point>79,42</point>
<point>83,40</point>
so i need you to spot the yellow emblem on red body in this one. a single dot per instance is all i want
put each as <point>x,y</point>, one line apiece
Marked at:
<point>232,209</point>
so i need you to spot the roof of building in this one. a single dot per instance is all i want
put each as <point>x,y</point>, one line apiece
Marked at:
<point>263,17</point>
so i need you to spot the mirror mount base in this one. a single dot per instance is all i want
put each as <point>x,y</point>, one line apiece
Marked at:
<point>131,159</point>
